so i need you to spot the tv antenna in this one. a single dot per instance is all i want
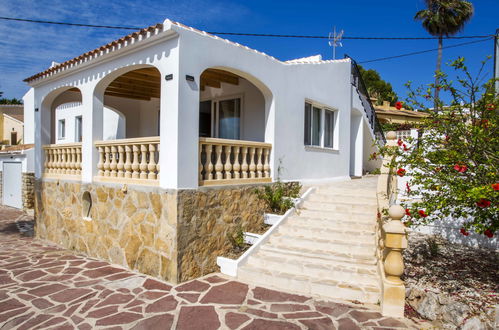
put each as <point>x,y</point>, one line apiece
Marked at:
<point>335,40</point>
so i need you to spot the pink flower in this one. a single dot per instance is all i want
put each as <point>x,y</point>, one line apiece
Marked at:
<point>460,168</point>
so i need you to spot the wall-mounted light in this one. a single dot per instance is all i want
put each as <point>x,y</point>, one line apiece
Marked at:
<point>169,77</point>
<point>36,109</point>
<point>189,78</point>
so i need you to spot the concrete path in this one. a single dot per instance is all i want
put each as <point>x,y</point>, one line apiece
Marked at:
<point>45,287</point>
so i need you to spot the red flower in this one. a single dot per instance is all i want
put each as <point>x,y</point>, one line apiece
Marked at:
<point>495,186</point>
<point>405,147</point>
<point>488,233</point>
<point>407,187</point>
<point>464,232</point>
<point>483,203</point>
<point>408,212</point>
<point>422,213</point>
<point>398,105</point>
<point>400,172</point>
<point>490,106</point>
<point>447,138</point>
<point>460,168</point>
<point>400,142</point>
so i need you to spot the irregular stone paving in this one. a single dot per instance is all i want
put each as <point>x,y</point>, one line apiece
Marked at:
<point>43,286</point>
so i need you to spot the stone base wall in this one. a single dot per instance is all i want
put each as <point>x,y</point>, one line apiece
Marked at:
<point>135,228</point>
<point>1,187</point>
<point>206,217</point>
<point>175,235</point>
<point>28,191</point>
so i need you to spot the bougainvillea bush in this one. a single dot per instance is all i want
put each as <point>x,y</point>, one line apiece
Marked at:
<point>454,165</point>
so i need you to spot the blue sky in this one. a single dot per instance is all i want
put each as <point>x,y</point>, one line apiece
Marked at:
<point>28,48</point>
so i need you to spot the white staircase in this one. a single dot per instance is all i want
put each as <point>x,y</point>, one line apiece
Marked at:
<point>327,249</point>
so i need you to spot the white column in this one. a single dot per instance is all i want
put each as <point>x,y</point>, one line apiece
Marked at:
<point>92,125</point>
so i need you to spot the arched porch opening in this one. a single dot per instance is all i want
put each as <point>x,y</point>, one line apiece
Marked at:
<point>234,108</point>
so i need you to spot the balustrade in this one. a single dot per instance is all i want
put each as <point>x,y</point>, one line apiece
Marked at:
<point>129,160</point>
<point>224,161</point>
<point>62,160</point>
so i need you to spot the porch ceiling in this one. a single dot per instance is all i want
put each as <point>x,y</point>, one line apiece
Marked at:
<point>215,78</point>
<point>142,84</point>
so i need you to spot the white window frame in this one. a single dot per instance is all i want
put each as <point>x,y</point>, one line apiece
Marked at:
<point>61,129</point>
<point>322,127</point>
<point>215,112</point>
<point>80,129</point>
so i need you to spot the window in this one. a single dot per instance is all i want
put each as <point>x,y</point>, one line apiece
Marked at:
<point>62,129</point>
<point>221,118</point>
<point>319,126</point>
<point>78,127</point>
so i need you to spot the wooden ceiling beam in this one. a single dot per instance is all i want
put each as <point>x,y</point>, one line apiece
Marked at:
<point>125,80</point>
<point>142,77</point>
<point>211,83</point>
<point>220,77</point>
<point>137,87</point>
<point>128,96</point>
<point>132,92</point>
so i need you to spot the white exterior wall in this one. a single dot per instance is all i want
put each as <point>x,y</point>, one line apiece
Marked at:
<point>273,112</point>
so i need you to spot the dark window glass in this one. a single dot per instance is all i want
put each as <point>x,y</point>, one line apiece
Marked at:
<point>308,121</point>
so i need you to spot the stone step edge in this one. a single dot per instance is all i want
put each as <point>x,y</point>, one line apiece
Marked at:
<point>263,253</point>
<point>294,238</point>
<point>306,279</point>
<point>330,231</point>
<point>360,259</point>
<point>275,264</point>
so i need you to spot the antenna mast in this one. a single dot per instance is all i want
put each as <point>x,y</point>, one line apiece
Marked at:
<point>335,40</point>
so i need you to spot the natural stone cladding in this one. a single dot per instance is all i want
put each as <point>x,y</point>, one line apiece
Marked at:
<point>206,217</point>
<point>174,235</point>
<point>1,186</point>
<point>28,190</point>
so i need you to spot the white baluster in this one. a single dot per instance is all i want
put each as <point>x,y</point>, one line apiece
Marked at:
<point>236,166</point>
<point>78,160</point>
<point>252,166</point>
<point>114,164</point>
<point>135,163</point>
<point>100,164</point>
<point>107,161</point>
<point>259,165</point>
<point>128,161</point>
<point>200,165</point>
<point>121,161</point>
<point>143,161</point>
<point>244,167</point>
<point>266,165</point>
<point>218,166</point>
<point>228,163</point>
<point>208,165</point>
<point>152,162</point>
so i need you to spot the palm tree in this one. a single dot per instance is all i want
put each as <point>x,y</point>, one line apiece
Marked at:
<point>444,18</point>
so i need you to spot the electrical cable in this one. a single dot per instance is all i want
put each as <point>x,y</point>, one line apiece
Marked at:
<point>242,34</point>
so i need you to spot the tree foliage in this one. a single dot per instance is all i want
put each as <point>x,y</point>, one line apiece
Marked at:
<point>377,87</point>
<point>10,101</point>
<point>454,167</point>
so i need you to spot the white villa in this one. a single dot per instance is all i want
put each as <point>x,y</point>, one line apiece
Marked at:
<point>148,149</point>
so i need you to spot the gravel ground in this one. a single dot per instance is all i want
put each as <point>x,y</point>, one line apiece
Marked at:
<point>467,275</point>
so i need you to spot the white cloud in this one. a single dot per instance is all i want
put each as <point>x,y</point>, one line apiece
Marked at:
<point>28,48</point>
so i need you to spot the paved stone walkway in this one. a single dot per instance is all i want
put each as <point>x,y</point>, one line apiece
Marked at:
<point>43,286</point>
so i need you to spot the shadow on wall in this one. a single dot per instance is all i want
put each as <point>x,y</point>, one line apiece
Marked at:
<point>449,229</point>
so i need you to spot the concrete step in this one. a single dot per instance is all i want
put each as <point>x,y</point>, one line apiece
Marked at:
<point>337,258</point>
<point>341,198</point>
<point>309,285</point>
<point>337,216</point>
<point>315,267</point>
<point>332,224</point>
<point>345,234</point>
<point>348,249</point>
<point>341,207</point>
